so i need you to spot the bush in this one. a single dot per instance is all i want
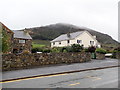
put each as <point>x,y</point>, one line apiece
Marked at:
<point>63,49</point>
<point>76,48</point>
<point>116,49</point>
<point>46,51</point>
<point>86,50</point>
<point>68,49</point>
<point>72,48</point>
<point>100,50</point>
<point>91,49</point>
<point>56,49</point>
<point>34,50</point>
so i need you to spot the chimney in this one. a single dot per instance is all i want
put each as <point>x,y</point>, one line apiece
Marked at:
<point>94,37</point>
<point>25,30</point>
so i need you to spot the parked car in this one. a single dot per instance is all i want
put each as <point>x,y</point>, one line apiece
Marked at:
<point>108,55</point>
<point>38,52</point>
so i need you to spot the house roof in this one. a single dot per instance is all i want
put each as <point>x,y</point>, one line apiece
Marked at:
<point>65,36</point>
<point>21,34</point>
<point>8,30</point>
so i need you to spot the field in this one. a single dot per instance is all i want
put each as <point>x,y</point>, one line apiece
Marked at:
<point>40,43</point>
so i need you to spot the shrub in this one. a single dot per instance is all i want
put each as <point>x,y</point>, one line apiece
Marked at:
<point>63,49</point>
<point>86,50</point>
<point>68,49</point>
<point>76,48</point>
<point>72,48</point>
<point>101,50</point>
<point>46,51</point>
<point>34,50</point>
<point>116,49</point>
<point>91,49</point>
<point>55,50</point>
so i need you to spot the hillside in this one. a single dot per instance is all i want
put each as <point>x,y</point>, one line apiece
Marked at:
<point>52,31</point>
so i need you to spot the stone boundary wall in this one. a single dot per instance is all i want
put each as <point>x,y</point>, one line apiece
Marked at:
<point>20,61</point>
<point>118,55</point>
<point>100,56</point>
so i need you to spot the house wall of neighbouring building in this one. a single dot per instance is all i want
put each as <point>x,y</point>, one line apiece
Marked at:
<point>10,34</point>
<point>20,47</point>
<point>85,37</point>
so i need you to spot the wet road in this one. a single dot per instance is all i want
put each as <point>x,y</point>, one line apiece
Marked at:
<point>58,68</point>
<point>104,78</point>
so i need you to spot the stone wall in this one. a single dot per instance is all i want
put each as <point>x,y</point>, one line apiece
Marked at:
<point>20,61</point>
<point>100,56</point>
<point>118,55</point>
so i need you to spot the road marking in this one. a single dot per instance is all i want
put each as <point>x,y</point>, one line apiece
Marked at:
<point>94,78</point>
<point>74,84</point>
<point>33,78</point>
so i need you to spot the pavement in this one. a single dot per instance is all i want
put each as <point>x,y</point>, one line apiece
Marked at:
<point>58,68</point>
<point>103,78</point>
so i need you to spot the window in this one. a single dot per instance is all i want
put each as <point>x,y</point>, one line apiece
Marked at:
<point>21,41</point>
<point>59,42</point>
<point>53,43</point>
<point>91,42</point>
<point>79,41</point>
<point>68,41</point>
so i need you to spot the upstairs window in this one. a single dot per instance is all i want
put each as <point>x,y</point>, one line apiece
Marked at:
<point>79,41</point>
<point>91,42</point>
<point>21,41</point>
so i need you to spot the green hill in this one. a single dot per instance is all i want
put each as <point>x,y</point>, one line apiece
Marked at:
<point>50,32</point>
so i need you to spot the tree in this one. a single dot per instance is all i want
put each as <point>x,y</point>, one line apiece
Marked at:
<point>91,49</point>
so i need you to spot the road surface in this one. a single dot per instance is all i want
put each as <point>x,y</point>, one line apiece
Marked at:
<point>104,78</point>
<point>58,68</point>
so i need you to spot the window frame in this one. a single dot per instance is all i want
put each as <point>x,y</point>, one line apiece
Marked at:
<point>91,42</point>
<point>79,41</point>
<point>22,41</point>
<point>53,43</point>
<point>68,41</point>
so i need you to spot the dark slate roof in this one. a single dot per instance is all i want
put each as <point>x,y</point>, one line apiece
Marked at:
<point>65,36</point>
<point>21,34</point>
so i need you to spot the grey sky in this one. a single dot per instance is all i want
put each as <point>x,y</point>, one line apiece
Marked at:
<point>100,15</point>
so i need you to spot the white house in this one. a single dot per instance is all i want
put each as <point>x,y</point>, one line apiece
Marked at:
<point>81,37</point>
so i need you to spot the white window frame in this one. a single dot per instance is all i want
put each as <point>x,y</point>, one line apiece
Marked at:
<point>21,41</point>
<point>92,42</point>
